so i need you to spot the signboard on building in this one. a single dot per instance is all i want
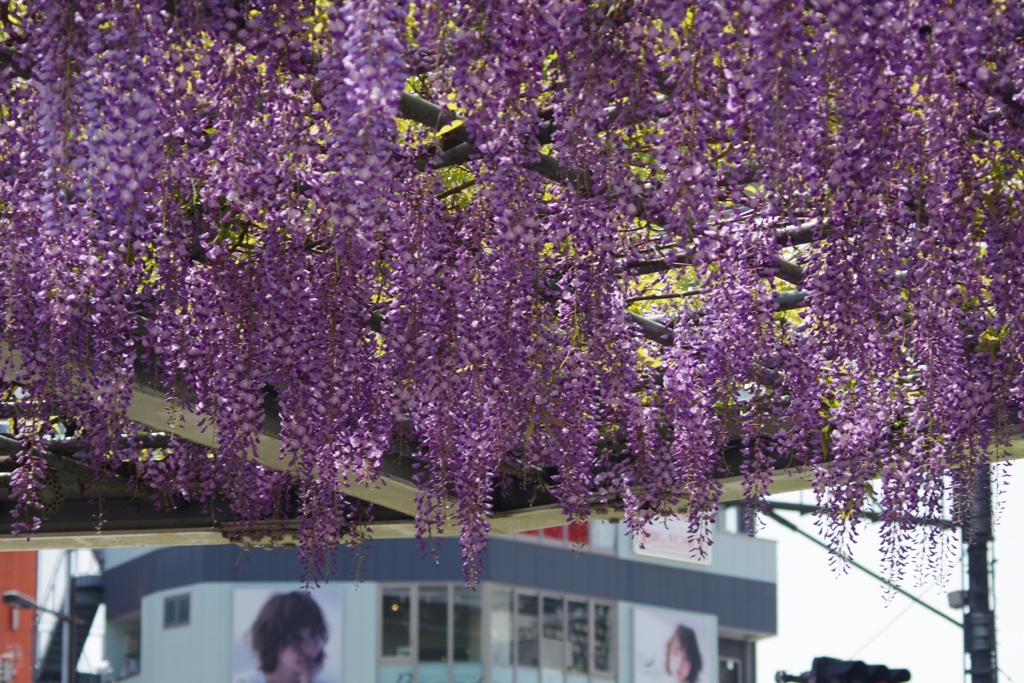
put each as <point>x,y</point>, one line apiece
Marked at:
<point>672,646</point>
<point>294,633</point>
<point>669,538</point>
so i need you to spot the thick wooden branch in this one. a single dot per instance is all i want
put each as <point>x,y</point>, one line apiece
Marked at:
<point>459,149</point>
<point>786,271</point>
<point>656,330</point>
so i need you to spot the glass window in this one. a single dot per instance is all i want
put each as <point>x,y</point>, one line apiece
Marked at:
<point>396,618</point>
<point>501,627</point>
<point>170,612</point>
<point>433,626</point>
<point>466,625</point>
<point>527,630</point>
<point>434,634</point>
<point>553,641</point>
<point>131,655</point>
<point>579,637</point>
<point>729,671</point>
<point>176,611</point>
<point>602,535</point>
<point>602,638</point>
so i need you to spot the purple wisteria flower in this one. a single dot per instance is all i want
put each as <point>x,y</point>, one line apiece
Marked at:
<point>595,246</point>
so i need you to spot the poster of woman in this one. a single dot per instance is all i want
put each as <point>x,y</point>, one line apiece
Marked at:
<point>285,636</point>
<point>674,647</point>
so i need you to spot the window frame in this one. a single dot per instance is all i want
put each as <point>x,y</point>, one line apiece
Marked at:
<point>722,660</point>
<point>412,660</point>
<point>486,646</point>
<point>173,610</point>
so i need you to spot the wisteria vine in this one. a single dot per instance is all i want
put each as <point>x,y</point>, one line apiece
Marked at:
<point>601,240</point>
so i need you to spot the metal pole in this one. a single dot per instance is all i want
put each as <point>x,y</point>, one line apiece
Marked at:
<point>65,643</point>
<point>980,620</point>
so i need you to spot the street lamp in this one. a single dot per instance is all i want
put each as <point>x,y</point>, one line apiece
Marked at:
<point>18,600</point>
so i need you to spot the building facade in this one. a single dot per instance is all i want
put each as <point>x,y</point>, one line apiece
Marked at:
<point>17,627</point>
<point>571,605</point>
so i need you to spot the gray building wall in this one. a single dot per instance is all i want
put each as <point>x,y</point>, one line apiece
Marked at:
<point>743,597</point>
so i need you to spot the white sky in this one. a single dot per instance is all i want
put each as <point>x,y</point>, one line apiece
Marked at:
<point>849,617</point>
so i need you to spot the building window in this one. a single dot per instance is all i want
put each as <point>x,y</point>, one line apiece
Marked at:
<point>396,618</point>
<point>130,667</point>
<point>467,626</point>
<point>431,634</point>
<point>176,611</point>
<point>557,637</point>
<point>579,637</point>
<point>604,624</point>
<point>502,646</point>
<point>528,636</point>
<point>433,624</point>
<point>729,670</point>
<point>528,643</point>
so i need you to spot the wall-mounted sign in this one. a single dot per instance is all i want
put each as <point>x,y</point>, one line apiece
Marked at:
<point>670,539</point>
<point>671,646</point>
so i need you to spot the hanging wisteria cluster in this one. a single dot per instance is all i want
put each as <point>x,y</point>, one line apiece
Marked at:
<point>601,240</point>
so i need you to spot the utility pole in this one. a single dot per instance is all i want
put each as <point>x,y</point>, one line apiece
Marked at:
<point>980,620</point>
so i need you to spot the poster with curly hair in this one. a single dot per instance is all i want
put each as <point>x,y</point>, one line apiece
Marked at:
<point>672,646</point>
<point>286,635</point>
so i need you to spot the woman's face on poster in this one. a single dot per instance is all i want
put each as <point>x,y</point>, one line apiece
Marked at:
<point>301,658</point>
<point>678,661</point>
